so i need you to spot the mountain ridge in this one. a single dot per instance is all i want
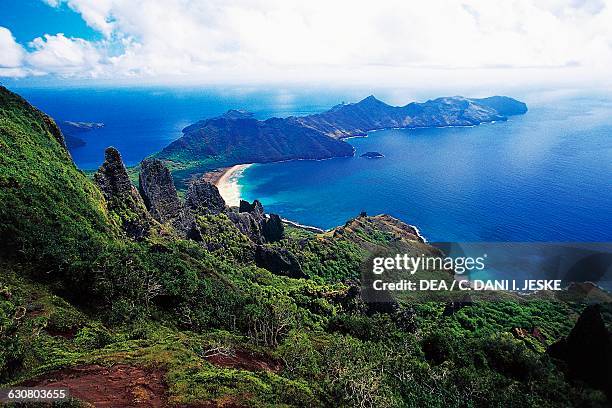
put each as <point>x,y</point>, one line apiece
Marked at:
<point>356,119</point>
<point>237,137</point>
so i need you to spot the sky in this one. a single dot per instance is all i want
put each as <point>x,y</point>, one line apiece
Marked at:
<point>383,43</point>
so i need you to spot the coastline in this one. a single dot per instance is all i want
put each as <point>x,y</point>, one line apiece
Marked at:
<point>226,179</point>
<point>310,228</point>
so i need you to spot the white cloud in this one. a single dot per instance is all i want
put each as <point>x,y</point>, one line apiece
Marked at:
<point>68,57</point>
<point>11,55</point>
<point>388,41</point>
<point>96,13</point>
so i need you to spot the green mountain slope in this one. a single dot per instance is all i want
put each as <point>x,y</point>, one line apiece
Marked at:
<point>50,212</point>
<point>156,319</point>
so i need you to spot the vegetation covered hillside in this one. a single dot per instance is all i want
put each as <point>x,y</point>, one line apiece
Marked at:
<point>131,297</point>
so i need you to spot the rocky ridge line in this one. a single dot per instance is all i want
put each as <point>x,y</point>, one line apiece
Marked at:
<point>157,200</point>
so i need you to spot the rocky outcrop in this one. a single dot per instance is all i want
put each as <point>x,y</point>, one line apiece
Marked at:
<point>204,198</point>
<point>112,177</point>
<point>248,225</point>
<point>258,225</point>
<point>159,194</point>
<point>587,351</point>
<point>278,261</point>
<point>156,186</point>
<point>272,228</point>
<point>249,220</point>
<point>157,189</point>
<point>121,196</point>
<point>255,208</point>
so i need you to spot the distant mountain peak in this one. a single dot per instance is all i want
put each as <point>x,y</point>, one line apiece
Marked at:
<point>370,99</point>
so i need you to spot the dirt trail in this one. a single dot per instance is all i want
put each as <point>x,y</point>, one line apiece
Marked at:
<point>245,361</point>
<point>117,386</point>
<point>128,386</point>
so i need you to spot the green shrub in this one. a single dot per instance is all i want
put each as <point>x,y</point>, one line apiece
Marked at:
<point>93,336</point>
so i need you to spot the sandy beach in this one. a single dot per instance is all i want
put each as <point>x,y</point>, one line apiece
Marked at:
<point>226,181</point>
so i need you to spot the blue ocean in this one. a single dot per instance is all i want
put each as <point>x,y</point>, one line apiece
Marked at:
<point>543,176</point>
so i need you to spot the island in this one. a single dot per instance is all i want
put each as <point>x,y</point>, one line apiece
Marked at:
<point>81,126</point>
<point>372,155</point>
<point>71,129</point>
<point>237,137</point>
<point>73,142</point>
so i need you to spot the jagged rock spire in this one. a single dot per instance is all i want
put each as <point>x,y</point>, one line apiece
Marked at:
<point>160,198</point>
<point>157,189</point>
<point>112,177</point>
<point>121,196</point>
<point>256,208</point>
<point>269,228</point>
<point>204,198</point>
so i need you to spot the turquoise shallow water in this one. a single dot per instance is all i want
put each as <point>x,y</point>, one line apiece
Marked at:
<point>544,176</point>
